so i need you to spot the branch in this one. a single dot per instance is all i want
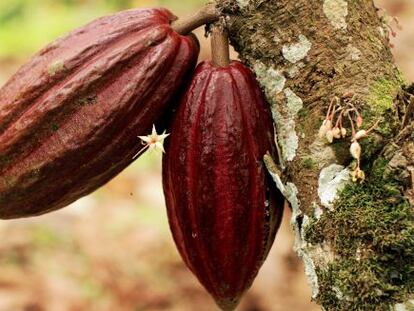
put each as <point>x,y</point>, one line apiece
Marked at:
<point>356,239</point>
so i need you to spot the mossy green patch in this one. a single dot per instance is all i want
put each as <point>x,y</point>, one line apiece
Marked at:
<point>371,230</point>
<point>383,91</point>
<point>309,163</point>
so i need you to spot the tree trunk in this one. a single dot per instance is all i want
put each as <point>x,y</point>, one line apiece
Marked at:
<point>355,233</point>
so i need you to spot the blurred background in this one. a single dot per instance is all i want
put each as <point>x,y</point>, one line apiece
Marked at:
<point>112,250</point>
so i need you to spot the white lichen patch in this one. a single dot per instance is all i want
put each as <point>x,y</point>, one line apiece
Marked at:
<point>294,102</point>
<point>299,221</point>
<point>56,67</point>
<point>297,51</point>
<point>300,245</point>
<point>288,138</point>
<point>242,3</point>
<point>408,306</point>
<point>310,271</point>
<point>354,54</point>
<point>271,79</point>
<point>336,11</point>
<point>285,116</point>
<point>331,180</point>
<point>291,195</point>
<point>279,152</point>
<point>275,173</point>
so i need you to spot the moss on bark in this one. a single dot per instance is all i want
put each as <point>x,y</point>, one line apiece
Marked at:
<point>371,232</point>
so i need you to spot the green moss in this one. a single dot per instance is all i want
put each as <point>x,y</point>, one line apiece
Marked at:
<point>371,230</point>
<point>309,163</point>
<point>371,145</point>
<point>383,91</point>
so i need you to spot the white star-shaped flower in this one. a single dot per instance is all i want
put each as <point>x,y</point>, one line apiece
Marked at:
<point>153,141</point>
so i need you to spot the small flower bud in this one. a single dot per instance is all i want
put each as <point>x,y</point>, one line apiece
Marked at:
<point>354,176</point>
<point>360,134</point>
<point>330,136</point>
<point>322,131</point>
<point>359,121</point>
<point>336,132</point>
<point>361,175</point>
<point>343,132</point>
<point>326,126</point>
<point>356,150</point>
<point>358,175</point>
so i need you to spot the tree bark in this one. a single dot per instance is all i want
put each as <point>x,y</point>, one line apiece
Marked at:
<point>356,237</point>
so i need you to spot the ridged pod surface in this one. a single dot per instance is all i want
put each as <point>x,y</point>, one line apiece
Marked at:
<point>69,118</point>
<point>223,208</point>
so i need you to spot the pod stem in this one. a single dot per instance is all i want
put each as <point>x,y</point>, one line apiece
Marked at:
<point>220,46</point>
<point>206,15</point>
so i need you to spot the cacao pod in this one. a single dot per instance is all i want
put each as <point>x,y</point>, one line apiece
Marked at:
<point>222,205</point>
<point>70,117</point>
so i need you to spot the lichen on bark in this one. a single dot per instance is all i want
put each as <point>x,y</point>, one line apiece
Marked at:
<point>317,50</point>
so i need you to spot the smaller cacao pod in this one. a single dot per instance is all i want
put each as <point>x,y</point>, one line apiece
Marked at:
<point>70,117</point>
<point>223,207</point>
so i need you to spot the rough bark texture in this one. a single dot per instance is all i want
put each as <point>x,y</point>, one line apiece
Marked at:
<point>356,239</point>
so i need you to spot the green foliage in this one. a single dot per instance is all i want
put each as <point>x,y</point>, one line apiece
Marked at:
<point>27,25</point>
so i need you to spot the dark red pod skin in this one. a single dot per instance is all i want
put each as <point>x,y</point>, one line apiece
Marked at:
<point>69,118</point>
<point>223,208</point>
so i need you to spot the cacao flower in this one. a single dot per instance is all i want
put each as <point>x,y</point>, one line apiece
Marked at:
<point>223,208</point>
<point>356,150</point>
<point>70,117</point>
<point>360,134</point>
<point>336,132</point>
<point>325,127</point>
<point>343,132</point>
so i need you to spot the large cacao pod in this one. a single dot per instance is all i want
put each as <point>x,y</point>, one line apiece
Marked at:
<point>223,208</point>
<point>70,117</point>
